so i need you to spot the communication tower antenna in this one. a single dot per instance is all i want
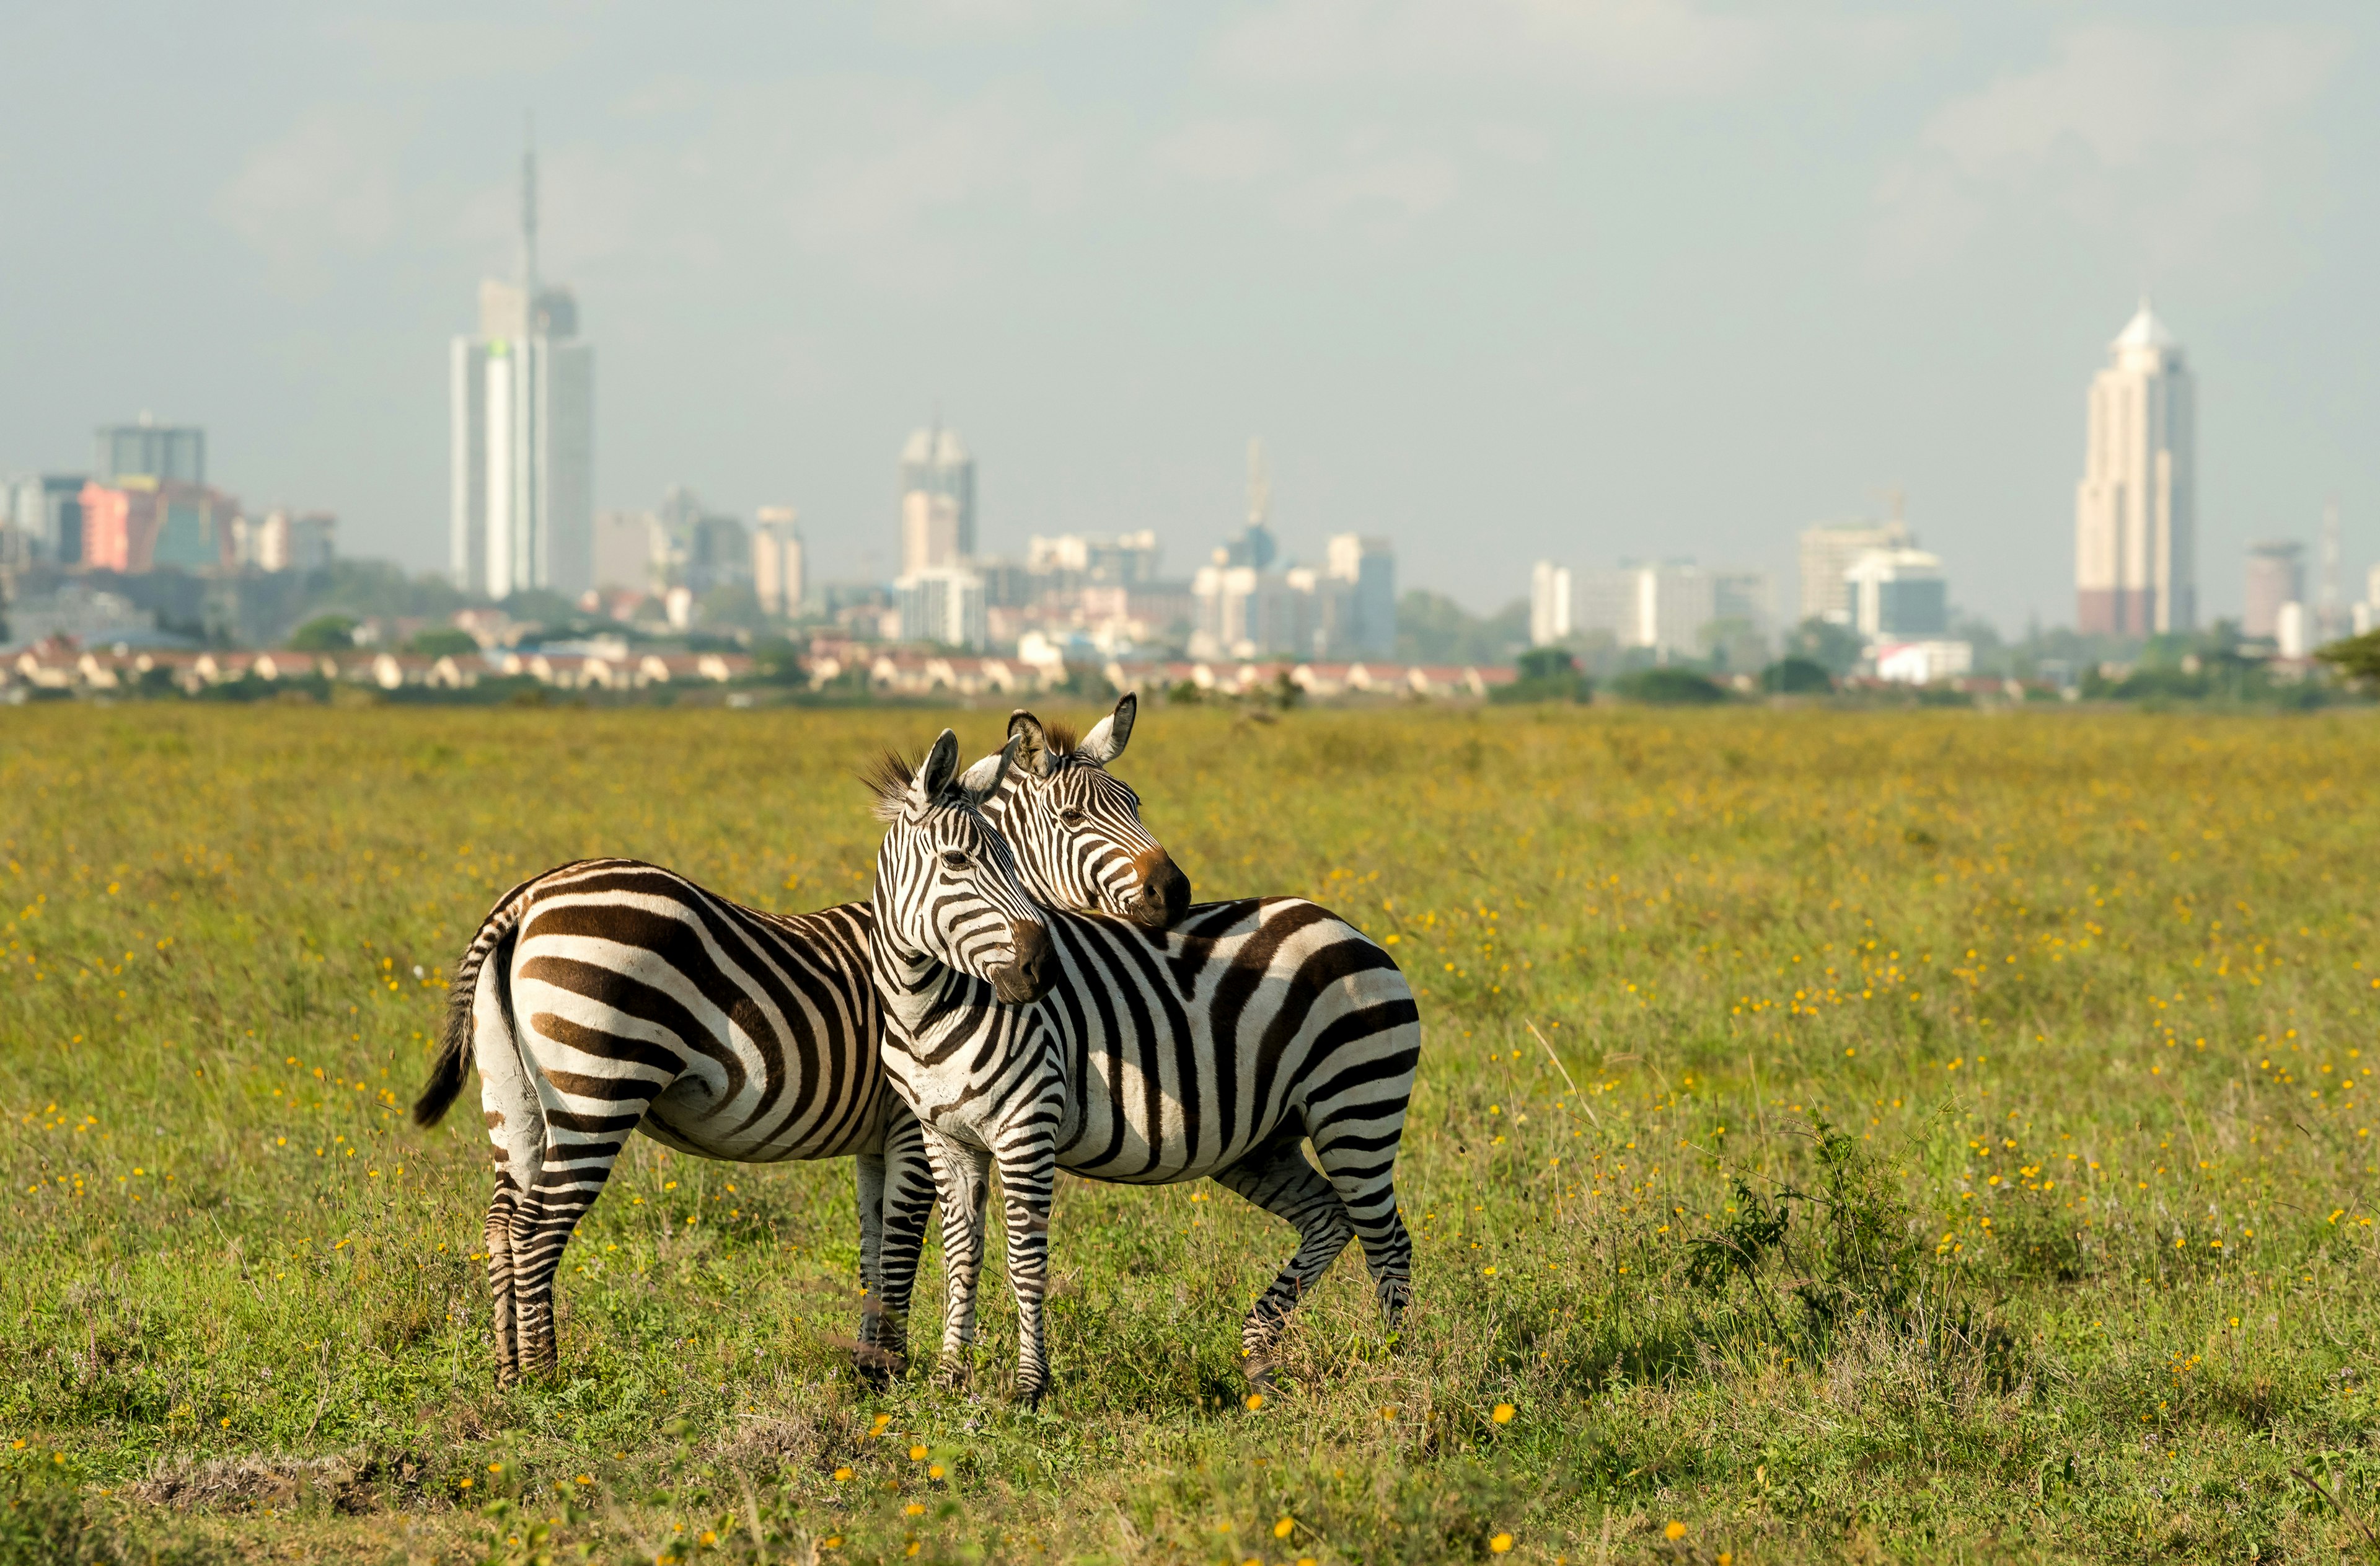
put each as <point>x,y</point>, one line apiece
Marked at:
<point>1895,505</point>
<point>1259,484</point>
<point>528,211</point>
<point>2326,601</point>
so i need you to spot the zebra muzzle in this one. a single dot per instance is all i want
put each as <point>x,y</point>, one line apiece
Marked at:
<point>1164,891</point>
<point>1025,979</point>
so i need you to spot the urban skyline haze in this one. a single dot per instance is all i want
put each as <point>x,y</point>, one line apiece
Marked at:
<point>1501,282</point>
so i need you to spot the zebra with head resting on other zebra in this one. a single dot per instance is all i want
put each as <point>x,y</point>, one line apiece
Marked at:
<point>610,996</point>
<point>1219,1047</point>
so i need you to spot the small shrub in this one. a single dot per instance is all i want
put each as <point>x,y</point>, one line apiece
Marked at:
<point>1668,688</point>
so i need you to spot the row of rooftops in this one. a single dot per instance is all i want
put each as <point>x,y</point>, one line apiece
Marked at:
<point>62,667</point>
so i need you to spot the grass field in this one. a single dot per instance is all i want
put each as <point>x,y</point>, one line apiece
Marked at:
<point>2086,1270</point>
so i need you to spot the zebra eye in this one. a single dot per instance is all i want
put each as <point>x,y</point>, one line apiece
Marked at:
<point>1071,815</point>
<point>954,860</point>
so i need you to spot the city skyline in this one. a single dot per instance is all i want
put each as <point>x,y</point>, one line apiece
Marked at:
<point>1109,243</point>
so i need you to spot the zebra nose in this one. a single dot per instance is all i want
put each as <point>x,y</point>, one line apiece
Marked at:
<point>1027,977</point>
<point>1164,891</point>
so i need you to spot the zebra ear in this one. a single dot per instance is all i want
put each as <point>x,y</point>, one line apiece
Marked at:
<point>1106,740</point>
<point>1032,743</point>
<point>942,765</point>
<point>982,780</point>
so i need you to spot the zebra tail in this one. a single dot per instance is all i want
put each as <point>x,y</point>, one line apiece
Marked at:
<point>454,1063</point>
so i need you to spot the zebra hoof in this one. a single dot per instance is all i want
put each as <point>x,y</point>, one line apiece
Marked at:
<point>951,1375</point>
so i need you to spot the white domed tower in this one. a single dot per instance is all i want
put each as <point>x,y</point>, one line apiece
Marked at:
<point>2135,511</point>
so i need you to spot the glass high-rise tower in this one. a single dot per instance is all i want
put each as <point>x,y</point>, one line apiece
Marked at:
<point>522,428</point>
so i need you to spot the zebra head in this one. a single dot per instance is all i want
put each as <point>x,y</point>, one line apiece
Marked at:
<point>1076,828</point>
<point>947,887</point>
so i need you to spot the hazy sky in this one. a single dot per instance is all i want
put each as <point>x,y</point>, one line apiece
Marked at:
<point>1498,278</point>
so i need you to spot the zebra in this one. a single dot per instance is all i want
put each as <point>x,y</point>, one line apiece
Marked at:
<point>608,996</point>
<point>611,995</point>
<point>1075,828</point>
<point>1215,1048</point>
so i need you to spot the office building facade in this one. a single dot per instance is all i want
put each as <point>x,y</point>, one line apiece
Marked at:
<point>521,429</point>
<point>1829,551</point>
<point>2276,578</point>
<point>2135,509</point>
<point>937,511</point>
<point>777,560</point>
<point>148,450</point>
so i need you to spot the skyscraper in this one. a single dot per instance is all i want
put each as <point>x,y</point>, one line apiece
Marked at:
<point>1368,568</point>
<point>2276,578</point>
<point>522,426</point>
<point>1548,603</point>
<point>937,501</point>
<point>777,560</point>
<point>2135,511</point>
<point>149,450</point>
<point>1832,548</point>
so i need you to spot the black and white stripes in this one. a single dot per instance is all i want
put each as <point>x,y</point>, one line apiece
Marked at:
<point>1216,1049</point>
<point>610,996</point>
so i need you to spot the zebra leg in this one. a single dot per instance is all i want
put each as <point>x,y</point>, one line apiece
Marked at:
<point>907,1208</point>
<point>1277,1179</point>
<point>1361,1164</point>
<point>867,1358</point>
<point>962,1175</point>
<point>1028,1170</point>
<point>585,1131</point>
<point>498,1232</point>
<point>516,1123</point>
<point>578,1159</point>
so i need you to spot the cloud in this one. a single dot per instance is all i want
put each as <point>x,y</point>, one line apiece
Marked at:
<point>329,185</point>
<point>1222,151</point>
<point>2166,134</point>
<point>1514,143</point>
<point>964,21</point>
<point>1649,48</point>
<point>916,164</point>
<point>1373,188</point>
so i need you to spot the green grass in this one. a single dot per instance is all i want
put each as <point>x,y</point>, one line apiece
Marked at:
<point>2086,994</point>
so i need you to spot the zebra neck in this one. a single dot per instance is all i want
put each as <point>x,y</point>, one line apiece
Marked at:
<point>914,988</point>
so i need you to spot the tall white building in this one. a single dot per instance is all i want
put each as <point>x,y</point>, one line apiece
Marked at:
<point>1898,594</point>
<point>942,604</point>
<point>937,501</point>
<point>1368,568</point>
<point>1548,603</point>
<point>777,560</point>
<point>1674,607</point>
<point>1129,558</point>
<point>2135,511</point>
<point>521,395</point>
<point>1829,549</point>
<point>629,546</point>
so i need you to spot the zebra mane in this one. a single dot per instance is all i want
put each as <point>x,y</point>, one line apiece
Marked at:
<point>889,777</point>
<point>1060,736</point>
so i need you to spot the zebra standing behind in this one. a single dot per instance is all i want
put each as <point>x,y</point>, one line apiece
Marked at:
<point>1218,1049</point>
<point>612,995</point>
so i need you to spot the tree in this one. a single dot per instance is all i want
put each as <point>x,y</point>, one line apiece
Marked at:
<point>1433,628</point>
<point>1836,649</point>
<point>1668,688</point>
<point>325,632</point>
<point>2356,658</point>
<point>1796,676</point>
<point>442,641</point>
<point>1547,674</point>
